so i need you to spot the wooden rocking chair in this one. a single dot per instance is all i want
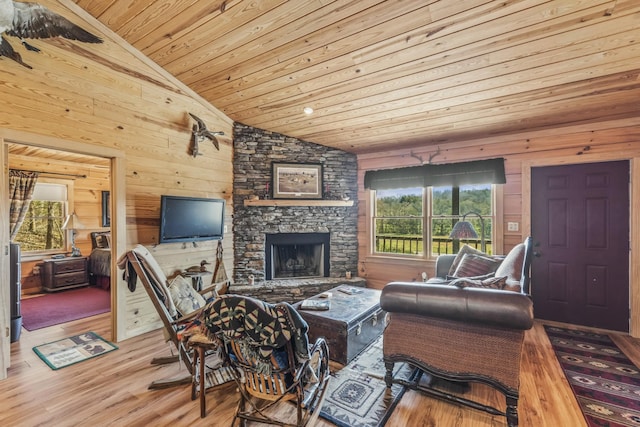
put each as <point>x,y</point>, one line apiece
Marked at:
<point>175,302</point>
<point>267,344</point>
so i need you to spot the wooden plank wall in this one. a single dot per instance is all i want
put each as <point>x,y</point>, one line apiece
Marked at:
<point>614,140</point>
<point>105,96</point>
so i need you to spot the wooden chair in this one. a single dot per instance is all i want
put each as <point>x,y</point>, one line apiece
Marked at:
<point>204,377</point>
<point>175,302</point>
<point>267,344</point>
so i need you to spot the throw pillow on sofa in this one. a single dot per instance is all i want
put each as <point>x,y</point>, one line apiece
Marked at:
<point>475,265</point>
<point>512,264</point>
<point>465,249</point>
<point>490,283</point>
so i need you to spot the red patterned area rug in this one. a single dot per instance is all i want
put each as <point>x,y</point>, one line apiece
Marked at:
<point>605,382</point>
<point>63,306</point>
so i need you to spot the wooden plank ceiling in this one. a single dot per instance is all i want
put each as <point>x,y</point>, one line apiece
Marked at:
<point>58,157</point>
<point>381,75</point>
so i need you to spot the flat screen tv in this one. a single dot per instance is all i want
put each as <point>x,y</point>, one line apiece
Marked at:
<point>191,219</point>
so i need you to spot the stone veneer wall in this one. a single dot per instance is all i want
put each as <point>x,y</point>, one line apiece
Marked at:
<point>254,152</point>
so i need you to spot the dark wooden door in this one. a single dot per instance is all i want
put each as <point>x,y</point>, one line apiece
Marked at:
<point>580,229</point>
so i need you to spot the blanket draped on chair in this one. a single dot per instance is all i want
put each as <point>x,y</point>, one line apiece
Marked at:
<point>270,326</point>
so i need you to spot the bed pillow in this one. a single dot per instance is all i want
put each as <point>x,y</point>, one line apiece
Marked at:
<point>186,299</point>
<point>103,241</point>
<point>475,265</point>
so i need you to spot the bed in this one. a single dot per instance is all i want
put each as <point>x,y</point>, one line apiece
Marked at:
<point>100,259</point>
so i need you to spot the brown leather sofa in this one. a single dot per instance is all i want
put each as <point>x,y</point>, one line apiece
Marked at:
<point>461,334</point>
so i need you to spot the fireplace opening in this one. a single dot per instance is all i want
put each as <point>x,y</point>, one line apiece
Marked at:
<point>296,255</point>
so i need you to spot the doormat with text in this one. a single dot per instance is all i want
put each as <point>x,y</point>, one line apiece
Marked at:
<point>69,351</point>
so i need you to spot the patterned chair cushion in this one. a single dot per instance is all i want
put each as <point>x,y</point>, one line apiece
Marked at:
<point>185,298</point>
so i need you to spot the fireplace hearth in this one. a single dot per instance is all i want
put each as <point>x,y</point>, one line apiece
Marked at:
<point>297,255</point>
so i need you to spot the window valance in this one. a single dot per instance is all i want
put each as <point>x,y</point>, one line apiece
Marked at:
<point>489,171</point>
<point>386,179</point>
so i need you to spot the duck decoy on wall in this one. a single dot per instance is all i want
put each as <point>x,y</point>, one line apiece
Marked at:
<point>200,132</point>
<point>34,21</point>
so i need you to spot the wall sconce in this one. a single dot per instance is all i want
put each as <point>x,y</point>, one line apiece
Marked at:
<point>464,230</point>
<point>72,223</point>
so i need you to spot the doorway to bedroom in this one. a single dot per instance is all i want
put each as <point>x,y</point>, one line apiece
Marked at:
<point>108,325</point>
<point>64,243</point>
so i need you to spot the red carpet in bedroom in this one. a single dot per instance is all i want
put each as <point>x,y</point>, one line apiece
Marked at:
<point>63,306</point>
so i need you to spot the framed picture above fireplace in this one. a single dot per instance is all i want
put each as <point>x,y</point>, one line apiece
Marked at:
<point>297,181</point>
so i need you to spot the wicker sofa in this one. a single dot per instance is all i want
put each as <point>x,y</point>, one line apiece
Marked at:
<point>466,334</point>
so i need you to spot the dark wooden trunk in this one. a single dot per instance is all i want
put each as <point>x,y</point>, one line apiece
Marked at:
<point>352,323</point>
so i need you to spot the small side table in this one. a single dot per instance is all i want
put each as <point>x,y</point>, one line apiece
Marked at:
<point>196,278</point>
<point>64,273</point>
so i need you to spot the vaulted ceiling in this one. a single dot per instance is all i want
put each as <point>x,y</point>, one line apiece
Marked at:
<point>381,75</point>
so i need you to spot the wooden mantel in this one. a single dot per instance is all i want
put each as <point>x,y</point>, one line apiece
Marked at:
<point>296,202</point>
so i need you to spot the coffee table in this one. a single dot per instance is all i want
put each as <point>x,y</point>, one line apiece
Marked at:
<point>350,325</point>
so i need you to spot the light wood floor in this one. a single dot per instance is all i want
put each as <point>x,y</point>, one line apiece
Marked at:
<point>111,390</point>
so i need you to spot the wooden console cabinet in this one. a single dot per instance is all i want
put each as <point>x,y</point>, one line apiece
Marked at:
<point>64,273</point>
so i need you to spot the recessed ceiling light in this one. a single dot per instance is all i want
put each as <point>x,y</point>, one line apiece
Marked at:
<point>308,110</point>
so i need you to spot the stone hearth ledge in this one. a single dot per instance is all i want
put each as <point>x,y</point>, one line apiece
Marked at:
<point>293,290</point>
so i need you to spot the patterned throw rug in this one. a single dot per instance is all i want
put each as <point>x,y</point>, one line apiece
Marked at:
<point>69,351</point>
<point>357,395</point>
<point>605,382</point>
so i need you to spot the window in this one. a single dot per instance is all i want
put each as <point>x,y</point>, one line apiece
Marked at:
<point>399,222</point>
<point>449,205</point>
<point>42,230</point>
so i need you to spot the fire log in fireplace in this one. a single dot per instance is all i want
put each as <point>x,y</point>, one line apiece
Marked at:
<point>296,255</point>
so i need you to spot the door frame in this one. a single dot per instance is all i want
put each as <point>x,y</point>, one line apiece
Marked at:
<point>633,156</point>
<point>118,227</point>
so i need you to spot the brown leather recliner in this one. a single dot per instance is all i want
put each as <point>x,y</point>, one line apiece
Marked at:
<point>460,335</point>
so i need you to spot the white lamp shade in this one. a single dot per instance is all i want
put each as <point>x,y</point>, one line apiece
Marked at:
<point>72,222</point>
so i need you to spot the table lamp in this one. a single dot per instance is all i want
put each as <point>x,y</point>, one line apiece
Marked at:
<point>72,223</point>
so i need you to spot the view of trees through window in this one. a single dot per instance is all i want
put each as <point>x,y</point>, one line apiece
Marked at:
<point>42,227</point>
<point>399,219</point>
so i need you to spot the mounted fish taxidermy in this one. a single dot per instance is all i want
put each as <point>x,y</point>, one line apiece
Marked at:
<point>199,132</point>
<point>34,21</point>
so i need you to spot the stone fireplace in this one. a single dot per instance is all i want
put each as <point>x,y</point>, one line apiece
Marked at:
<point>297,255</point>
<point>256,224</point>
